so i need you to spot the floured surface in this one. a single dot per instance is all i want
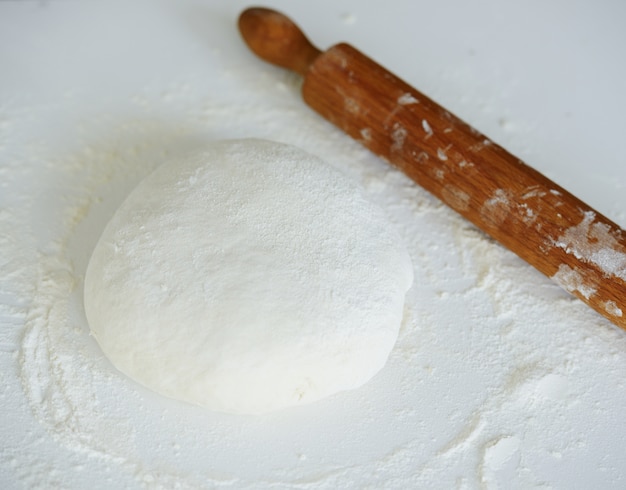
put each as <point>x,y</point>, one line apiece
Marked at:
<point>498,380</point>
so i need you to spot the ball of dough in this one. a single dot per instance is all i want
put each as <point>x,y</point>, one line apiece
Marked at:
<point>247,278</point>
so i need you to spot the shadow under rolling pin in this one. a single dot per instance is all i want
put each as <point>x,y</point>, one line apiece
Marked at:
<point>557,233</point>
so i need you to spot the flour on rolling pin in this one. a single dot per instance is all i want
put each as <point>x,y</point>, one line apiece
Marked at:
<point>532,216</point>
<point>591,242</point>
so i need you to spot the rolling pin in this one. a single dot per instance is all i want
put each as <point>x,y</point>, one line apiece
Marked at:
<point>558,234</point>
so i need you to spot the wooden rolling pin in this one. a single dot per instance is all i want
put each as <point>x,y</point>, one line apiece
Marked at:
<point>557,233</point>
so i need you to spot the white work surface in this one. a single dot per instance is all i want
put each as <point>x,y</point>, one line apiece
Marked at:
<point>498,380</point>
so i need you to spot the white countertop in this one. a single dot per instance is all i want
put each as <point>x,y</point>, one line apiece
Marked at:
<point>498,380</point>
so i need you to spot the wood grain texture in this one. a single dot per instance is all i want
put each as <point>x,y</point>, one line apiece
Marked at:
<point>545,225</point>
<point>275,38</point>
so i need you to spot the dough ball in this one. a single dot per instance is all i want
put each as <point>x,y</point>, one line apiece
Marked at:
<point>247,278</point>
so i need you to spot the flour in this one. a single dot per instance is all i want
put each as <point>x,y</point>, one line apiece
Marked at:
<point>498,376</point>
<point>593,242</point>
<point>247,278</point>
<point>572,280</point>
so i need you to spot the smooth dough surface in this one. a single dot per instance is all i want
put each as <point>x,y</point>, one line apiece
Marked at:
<point>247,278</point>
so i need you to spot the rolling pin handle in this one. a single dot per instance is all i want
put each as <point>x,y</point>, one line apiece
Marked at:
<point>273,37</point>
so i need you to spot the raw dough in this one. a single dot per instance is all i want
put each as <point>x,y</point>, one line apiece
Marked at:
<point>248,278</point>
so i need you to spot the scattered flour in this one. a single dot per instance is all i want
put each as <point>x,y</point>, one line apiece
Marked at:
<point>500,462</point>
<point>498,377</point>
